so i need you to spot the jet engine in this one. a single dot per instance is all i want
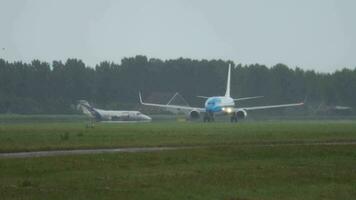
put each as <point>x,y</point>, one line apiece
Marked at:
<point>194,114</point>
<point>241,114</point>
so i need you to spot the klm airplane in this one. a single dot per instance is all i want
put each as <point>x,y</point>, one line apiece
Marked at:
<point>219,105</point>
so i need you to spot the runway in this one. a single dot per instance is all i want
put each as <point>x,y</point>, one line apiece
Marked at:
<point>85,151</point>
<point>155,149</point>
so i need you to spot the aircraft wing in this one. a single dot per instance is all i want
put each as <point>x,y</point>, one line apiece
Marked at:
<point>203,97</point>
<point>177,107</point>
<point>247,98</point>
<point>272,106</point>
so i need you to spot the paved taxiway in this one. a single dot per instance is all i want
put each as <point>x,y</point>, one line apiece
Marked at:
<point>153,149</point>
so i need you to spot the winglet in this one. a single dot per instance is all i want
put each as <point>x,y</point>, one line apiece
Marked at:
<point>305,99</point>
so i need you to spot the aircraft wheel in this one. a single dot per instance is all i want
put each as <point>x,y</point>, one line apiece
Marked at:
<point>211,117</point>
<point>233,118</point>
<point>206,118</point>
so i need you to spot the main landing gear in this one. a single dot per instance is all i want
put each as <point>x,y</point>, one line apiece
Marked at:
<point>208,117</point>
<point>233,117</point>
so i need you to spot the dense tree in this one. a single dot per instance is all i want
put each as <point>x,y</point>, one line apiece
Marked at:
<point>39,87</point>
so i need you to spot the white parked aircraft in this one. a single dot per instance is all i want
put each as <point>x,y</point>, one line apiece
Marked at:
<point>219,105</point>
<point>111,115</point>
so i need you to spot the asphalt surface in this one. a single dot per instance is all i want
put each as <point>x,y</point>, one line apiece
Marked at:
<point>154,149</point>
<point>85,151</point>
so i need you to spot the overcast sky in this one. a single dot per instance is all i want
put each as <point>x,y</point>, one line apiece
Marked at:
<point>311,34</point>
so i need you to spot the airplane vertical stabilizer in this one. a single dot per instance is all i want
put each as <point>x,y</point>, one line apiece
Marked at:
<point>227,93</point>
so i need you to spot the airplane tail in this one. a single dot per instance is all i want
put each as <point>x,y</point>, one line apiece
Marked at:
<point>227,93</point>
<point>86,108</point>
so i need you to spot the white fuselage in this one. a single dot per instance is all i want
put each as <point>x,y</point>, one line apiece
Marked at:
<point>114,115</point>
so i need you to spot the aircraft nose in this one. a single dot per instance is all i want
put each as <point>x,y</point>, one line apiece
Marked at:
<point>213,108</point>
<point>145,117</point>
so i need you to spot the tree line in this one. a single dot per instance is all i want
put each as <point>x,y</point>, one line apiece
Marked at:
<point>41,87</point>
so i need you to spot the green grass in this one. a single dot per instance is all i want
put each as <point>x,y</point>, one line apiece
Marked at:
<point>47,136</point>
<point>234,172</point>
<point>40,118</point>
<point>226,167</point>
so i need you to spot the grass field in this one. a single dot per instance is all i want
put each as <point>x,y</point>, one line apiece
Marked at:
<point>231,164</point>
<point>48,136</point>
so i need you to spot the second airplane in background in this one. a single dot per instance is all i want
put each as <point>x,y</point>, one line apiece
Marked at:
<point>116,116</point>
<point>219,105</point>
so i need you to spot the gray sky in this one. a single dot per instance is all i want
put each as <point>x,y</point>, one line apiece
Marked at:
<point>311,34</point>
